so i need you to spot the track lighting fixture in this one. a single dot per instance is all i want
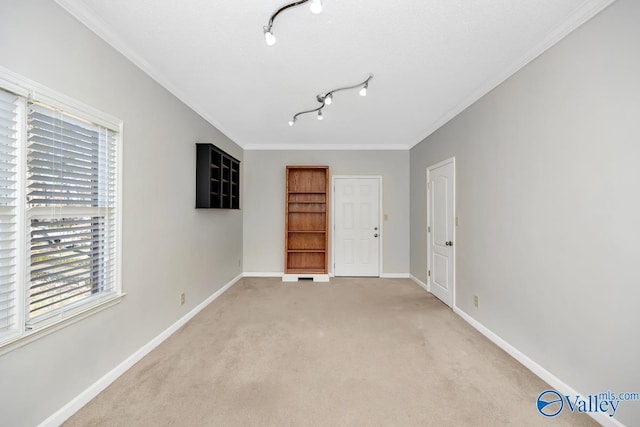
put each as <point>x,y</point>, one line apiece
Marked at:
<point>327,98</point>
<point>363,91</point>
<point>270,39</point>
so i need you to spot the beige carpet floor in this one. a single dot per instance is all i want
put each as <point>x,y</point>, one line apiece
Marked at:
<point>354,352</point>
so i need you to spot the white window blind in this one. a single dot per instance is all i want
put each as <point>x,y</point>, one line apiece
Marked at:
<point>8,214</point>
<point>71,186</point>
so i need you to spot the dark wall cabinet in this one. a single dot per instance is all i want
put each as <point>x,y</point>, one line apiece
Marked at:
<point>217,178</point>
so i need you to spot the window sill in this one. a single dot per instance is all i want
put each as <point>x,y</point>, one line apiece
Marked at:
<point>41,330</point>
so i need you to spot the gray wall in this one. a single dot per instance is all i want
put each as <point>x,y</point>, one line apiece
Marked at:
<point>547,195</point>
<point>168,246</point>
<point>264,197</point>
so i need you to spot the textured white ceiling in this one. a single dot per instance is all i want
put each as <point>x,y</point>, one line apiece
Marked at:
<point>430,59</point>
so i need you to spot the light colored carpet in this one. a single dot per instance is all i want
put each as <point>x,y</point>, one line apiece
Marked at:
<point>354,352</point>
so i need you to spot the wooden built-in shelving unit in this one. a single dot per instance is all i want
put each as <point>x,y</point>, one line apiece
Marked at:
<point>306,220</point>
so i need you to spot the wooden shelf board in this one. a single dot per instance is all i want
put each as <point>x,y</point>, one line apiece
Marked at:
<point>305,271</point>
<point>309,212</point>
<point>307,192</point>
<point>307,251</point>
<point>307,203</point>
<point>306,231</point>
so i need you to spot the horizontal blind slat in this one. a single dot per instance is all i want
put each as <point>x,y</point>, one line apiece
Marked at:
<point>61,300</point>
<point>69,260</point>
<point>75,265</point>
<point>55,166</point>
<point>54,117</point>
<point>59,136</point>
<point>63,150</point>
<point>60,161</point>
<point>45,170</point>
<point>78,277</point>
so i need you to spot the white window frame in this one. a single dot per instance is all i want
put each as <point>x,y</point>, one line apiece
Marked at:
<point>32,91</point>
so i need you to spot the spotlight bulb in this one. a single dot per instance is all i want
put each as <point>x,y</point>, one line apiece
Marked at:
<point>363,91</point>
<point>316,6</point>
<point>291,122</point>
<point>269,38</point>
<point>320,115</point>
<point>328,99</point>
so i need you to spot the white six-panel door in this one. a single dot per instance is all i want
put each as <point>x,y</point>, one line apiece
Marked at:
<point>357,226</point>
<point>441,215</point>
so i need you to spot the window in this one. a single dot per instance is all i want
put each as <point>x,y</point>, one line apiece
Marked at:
<point>58,209</point>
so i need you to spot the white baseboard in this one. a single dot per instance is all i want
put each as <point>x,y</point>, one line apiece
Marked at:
<point>86,396</point>
<point>534,367</point>
<point>395,275</point>
<point>262,274</point>
<point>420,283</point>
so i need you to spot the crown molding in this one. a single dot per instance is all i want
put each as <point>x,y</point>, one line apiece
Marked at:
<point>577,18</point>
<point>327,147</point>
<point>90,19</point>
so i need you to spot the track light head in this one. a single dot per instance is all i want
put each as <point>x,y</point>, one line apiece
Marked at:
<point>363,91</point>
<point>316,6</point>
<point>269,37</point>
<point>325,99</point>
<point>320,115</point>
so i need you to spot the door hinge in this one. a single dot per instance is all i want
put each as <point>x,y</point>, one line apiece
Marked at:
<point>429,273</point>
<point>428,229</point>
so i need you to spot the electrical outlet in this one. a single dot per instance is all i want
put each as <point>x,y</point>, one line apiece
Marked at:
<point>183,298</point>
<point>239,262</point>
<point>475,300</point>
<point>386,217</point>
<point>457,221</point>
